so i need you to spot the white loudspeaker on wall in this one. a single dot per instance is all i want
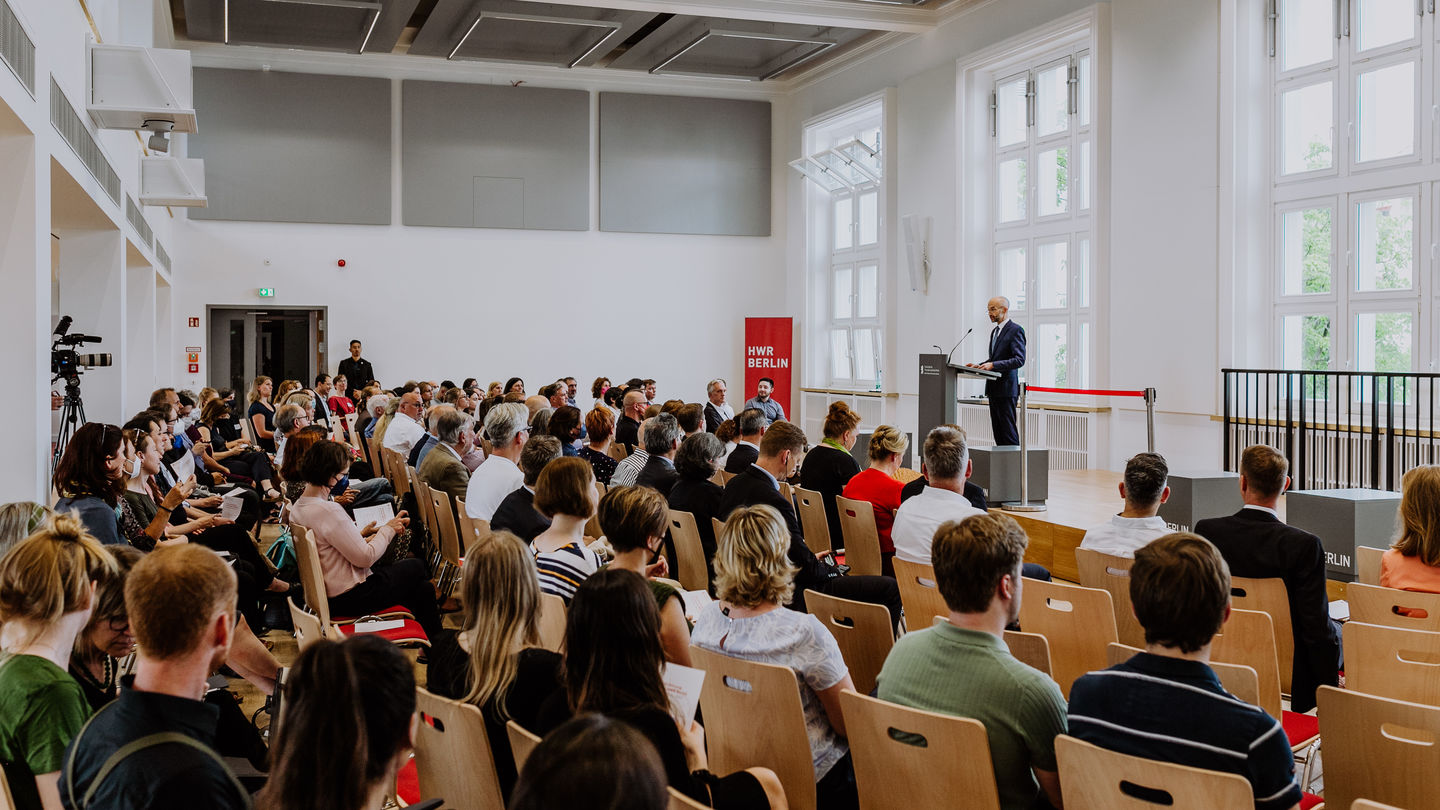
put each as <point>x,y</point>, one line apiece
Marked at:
<point>917,250</point>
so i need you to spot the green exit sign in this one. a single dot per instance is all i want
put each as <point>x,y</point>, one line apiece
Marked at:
<point>267,292</point>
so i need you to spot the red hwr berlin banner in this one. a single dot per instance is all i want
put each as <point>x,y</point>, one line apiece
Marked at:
<point>768,349</point>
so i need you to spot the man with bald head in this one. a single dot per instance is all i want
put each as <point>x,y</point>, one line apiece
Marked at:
<point>1007,355</point>
<point>632,413</point>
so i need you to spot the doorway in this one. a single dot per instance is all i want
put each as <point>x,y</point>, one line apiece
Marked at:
<point>282,343</point>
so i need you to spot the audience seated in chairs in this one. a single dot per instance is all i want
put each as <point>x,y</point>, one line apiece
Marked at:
<point>634,520</point>
<point>600,427</point>
<point>349,725</point>
<point>566,426</point>
<point>632,413</point>
<point>88,479</point>
<point>879,486</point>
<point>593,762</point>
<point>19,520</point>
<point>1143,489</point>
<point>405,429</point>
<point>694,492</point>
<point>947,466</point>
<point>232,451</point>
<point>565,493</point>
<point>613,663</point>
<point>627,471</point>
<point>444,468</point>
<point>828,467</point>
<point>106,636</point>
<point>428,439</point>
<point>517,513</point>
<point>494,661</point>
<point>750,427</point>
<point>290,418</point>
<point>506,429</point>
<point>1413,562</point>
<point>662,439</point>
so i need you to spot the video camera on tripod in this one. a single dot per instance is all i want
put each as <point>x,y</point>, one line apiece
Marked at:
<point>65,362</point>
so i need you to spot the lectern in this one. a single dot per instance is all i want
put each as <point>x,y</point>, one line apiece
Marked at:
<point>938,394</point>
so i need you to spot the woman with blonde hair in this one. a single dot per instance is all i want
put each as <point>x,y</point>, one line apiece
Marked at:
<point>1413,562</point>
<point>828,467</point>
<point>493,661</point>
<point>880,486</point>
<point>19,520</point>
<point>261,412</point>
<point>47,588</point>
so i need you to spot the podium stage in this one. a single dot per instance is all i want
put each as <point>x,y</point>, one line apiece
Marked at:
<point>1078,499</point>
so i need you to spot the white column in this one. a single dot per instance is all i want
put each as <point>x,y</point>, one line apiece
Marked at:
<point>140,328</point>
<point>25,312</point>
<point>93,292</point>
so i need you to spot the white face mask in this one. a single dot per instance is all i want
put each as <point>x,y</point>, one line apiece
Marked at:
<point>135,468</point>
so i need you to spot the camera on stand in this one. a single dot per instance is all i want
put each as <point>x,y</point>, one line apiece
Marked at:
<point>67,364</point>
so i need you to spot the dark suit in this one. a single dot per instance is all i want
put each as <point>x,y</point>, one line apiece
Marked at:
<point>322,411</point>
<point>421,449</point>
<point>358,373</point>
<point>517,514</point>
<point>702,499</point>
<point>658,473</point>
<point>1256,544</point>
<point>713,417</point>
<point>741,458</point>
<point>627,432</point>
<point>754,486</point>
<point>1007,356</point>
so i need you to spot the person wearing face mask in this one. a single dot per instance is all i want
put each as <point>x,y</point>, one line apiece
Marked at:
<point>566,425</point>
<point>443,468</point>
<point>88,479</point>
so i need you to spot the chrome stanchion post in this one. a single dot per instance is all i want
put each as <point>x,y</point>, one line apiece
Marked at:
<point>1150,418</point>
<point>1024,504</point>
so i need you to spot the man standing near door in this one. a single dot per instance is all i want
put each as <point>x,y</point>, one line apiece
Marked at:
<point>357,370</point>
<point>1007,355</point>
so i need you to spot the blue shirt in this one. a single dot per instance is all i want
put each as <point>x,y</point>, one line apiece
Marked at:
<point>770,407</point>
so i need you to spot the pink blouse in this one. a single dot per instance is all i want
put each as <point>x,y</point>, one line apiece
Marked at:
<point>1408,573</point>
<point>345,556</point>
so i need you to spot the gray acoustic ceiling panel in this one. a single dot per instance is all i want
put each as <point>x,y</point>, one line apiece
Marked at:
<point>495,156</point>
<point>732,49</point>
<point>293,147</point>
<point>524,31</point>
<point>675,164</point>
<point>355,26</point>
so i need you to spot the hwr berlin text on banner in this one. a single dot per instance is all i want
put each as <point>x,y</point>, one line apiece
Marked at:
<point>767,354</point>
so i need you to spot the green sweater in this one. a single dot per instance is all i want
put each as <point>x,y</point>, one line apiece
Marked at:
<point>41,710</point>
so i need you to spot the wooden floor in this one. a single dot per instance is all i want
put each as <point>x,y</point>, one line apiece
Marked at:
<point>1079,500</point>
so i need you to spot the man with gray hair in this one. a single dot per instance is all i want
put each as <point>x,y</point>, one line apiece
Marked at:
<point>444,467</point>
<point>288,421</point>
<point>946,465</point>
<point>1143,489</point>
<point>662,438</point>
<point>506,427</point>
<point>375,406</point>
<point>717,410</point>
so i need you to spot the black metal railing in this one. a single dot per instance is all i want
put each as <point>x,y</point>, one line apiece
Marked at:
<point>1339,429</point>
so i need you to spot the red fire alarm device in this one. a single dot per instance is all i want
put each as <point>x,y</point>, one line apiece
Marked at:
<point>194,368</point>
<point>194,323</point>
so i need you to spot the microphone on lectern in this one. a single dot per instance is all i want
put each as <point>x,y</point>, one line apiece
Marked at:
<point>957,344</point>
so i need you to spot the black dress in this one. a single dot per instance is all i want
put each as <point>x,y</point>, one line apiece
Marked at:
<point>268,412</point>
<point>827,470</point>
<point>702,499</point>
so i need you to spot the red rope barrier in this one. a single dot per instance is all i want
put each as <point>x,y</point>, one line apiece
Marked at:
<point>1090,391</point>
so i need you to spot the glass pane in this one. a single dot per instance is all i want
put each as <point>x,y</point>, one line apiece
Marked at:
<point>869,218</point>
<point>1305,341</point>
<point>842,292</point>
<point>1053,196</point>
<point>867,297</point>
<point>840,354</point>
<point>1084,258</point>
<point>1082,362</point>
<point>1385,117</point>
<point>863,154</point>
<point>1052,275</point>
<point>844,217</point>
<point>866,352</point>
<point>1383,22</point>
<point>1052,99</point>
<point>1011,181</point>
<point>1383,341</point>
<point>1307,246</point>
<point>1084,90</point>
<point>843,168</point>
<point>1083,175</point>
<point>1307,128</point>
<point>1010,112</point>
<point>1050,368</point>
<point>1307,32</point>
<point>1385,245</point>
<point>1012,275</point>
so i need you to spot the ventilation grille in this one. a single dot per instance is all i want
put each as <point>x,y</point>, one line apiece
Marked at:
<point>162,256</point>
<point>1342,457</point>
<point>815,404</point>
<point>1067,435</point>
<point>65,120</point>
<point>137,220</point>
<point>16,48</point>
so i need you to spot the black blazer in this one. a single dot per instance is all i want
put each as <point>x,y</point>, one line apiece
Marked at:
<point>658,473</point>
<point>1256,544</point>
<point>1007,356</point>
<point>741,458</point>
<point>517,514</point>
<point>973,493</point>
<point>701,499</point>
<point>426,440</point>
<point>627,432</point>
<point>713,417</point>
<point>753,487</point>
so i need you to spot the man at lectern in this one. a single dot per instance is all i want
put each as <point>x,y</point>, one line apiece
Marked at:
<point>1007,355</point>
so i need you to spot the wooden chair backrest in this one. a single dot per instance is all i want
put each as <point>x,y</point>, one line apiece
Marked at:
<point>732,717</point>
<point>1112,573</point>
<point>522,742</point>
<point>247,424</point>
<point>312,578</point>
<point>862,630</point>
<point>1366,804</point>
<point>472,530</point>
<point>1367,564</point>
<point>689,553</point>
<point>308,629</point>
<point>727,475</point>
<point>787,491</point>
<point>862,537</point>
<point>679,801</point>
<point>1078,622</point>
<point>1238,679</point>
<point>1381,749</point>
<point>372,452</point>
<point>452,754</point>
<point>427,512</point>
<point>1373,604</point>
<point>7,802</point>
<point>719,526</point>
<point>617,451</point>
<point>1248,639</point>
<point>450,548</point>
<point>394,464</point>
<point>552,622</point>
<point>1031,649</point>
<point>1393,663</point>
<point>907,758</point>
<point>405,482</point>
<point>718,479</point>
<point>919,594</point>
<point>1094,778</point>
<point>1269,596</point>
<point>811,508</point>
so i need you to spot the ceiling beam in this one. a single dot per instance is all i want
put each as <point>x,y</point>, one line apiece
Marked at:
<point>872,16</point>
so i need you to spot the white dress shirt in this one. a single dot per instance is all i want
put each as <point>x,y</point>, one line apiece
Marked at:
<point>917,519</point>
<point>1121,536</point>
<point>403,434</point>
<point>489,484</point>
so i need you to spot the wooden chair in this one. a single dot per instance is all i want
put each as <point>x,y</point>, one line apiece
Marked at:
<point>522,743</point>
<point>719,526</point>
<point>787,492</point>
<point>689,553</point>
<point>862,538</point>
<point>1366,804</point>
<point>307,626</point>
<point>1378,748</point>
<point>919,594</point>
<point>1393,663</point>
<point>426,518</point>
<point>1112,573</point>
<point>811,506</point>
<point>1367,565</point>
<point>1410,610</point>
<point>907,758</point>
<point>1077,622</point>
<point>7,802</point>
<point>552,622</point>
<point>727,476</point>
<point>1094,778</point>
<point>718,479</point>
<point>1239,680</point>
<point>617,451</point>
<point>679,801</point>
<point>1269,596</point>
<point>1248,639</point>
<point>405,481</point>
<point>862,630</point>
<point>312,581</point>
<point>452,754</point>
<point>450,548</point>
<point>1031,649</point>
<point>733,715</point>
<point>373,454</point>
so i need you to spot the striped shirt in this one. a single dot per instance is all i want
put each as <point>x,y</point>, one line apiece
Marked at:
<point>562,570</point>
<point>1175,710</point>
<point>627,471</point>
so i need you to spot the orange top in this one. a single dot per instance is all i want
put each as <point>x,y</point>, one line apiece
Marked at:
<point>1408,573</point>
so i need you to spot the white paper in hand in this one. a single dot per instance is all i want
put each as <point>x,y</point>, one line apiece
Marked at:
<point>184,467</point>
<point>379,514</point>
<point>230,507</point>
<point>695,601</point>
<point>683,685</point>
<point>1340,610</point>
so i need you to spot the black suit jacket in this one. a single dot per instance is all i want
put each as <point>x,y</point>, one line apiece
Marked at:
<point>713,417</point>
<point>973,493</point>
<point>1007,356</point>
<point>753,487</point>
<point>627,432</point>
<point>658,473</point>
<point>517,514</point>
<point>358,373</point>
<point>1256,544</point>
<point>701,499</point>
<point>741,458</point>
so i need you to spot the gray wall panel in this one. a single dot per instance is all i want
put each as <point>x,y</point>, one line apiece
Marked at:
<point>673,164</point>
<point>495,156</point>
<point>293,147</point>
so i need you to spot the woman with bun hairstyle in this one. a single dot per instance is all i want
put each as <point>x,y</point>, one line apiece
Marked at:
<point>880,485</point>
<point>828,467</point>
